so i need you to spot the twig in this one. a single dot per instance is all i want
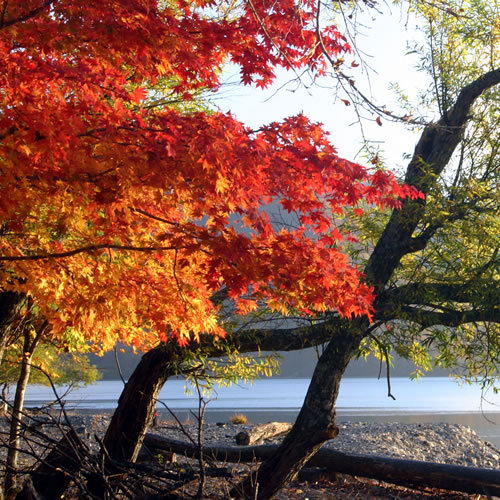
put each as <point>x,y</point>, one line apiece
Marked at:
<point>117,361</point>
<point>179,423</point>
<point>387,364</point>
<point>201,414</point>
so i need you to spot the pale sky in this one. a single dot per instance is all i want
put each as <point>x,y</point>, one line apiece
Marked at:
<point>385,45</point>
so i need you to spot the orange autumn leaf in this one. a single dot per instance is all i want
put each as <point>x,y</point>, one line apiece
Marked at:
<point>118,216</point>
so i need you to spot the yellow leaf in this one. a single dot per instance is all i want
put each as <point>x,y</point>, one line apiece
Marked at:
<point>222,184</point>
<point>25,149</point>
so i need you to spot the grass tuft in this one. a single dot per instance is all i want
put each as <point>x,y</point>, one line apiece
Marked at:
<point>239,419</point>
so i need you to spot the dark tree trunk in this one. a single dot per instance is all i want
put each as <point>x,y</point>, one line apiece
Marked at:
<point>28,492</point>
<point>315,423</point>
<point>133,415</point>
<point>136,407</point>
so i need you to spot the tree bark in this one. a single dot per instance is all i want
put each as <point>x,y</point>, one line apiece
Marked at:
<point>10,482</point>
<point>9,306</point>
<point>259,433</point>
<point>134,414</point>
<point>315,423</point>
<point>392,470</point>
<point>28,492</point>
<point>136,406</point>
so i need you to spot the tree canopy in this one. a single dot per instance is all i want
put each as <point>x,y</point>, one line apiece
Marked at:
<point>123,213</point>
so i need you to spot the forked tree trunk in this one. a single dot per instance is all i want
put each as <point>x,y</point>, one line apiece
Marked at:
<point>136,407</point>
<point>315,423</point>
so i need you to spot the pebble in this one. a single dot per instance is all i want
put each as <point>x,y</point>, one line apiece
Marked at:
<point>433,442</point>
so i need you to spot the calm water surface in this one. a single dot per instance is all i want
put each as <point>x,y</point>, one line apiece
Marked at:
<point>357,395</point>
<point>432,399</point>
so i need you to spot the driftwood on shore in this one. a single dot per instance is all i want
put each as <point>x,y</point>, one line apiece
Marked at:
<point>259,433</point>
<point>392,470</point>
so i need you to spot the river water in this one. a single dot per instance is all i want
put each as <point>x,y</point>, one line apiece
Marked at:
<point>429,399</point>
<point>357,395</point>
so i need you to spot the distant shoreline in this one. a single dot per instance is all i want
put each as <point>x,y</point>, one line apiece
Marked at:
<point>360,400</point>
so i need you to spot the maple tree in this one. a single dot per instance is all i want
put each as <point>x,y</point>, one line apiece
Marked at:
<point>122,211</point>
<point>115,210</point>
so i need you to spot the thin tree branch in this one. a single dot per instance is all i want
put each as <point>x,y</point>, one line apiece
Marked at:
<point>27,16</point>
<point>117,362</point>
<point>87,249</point>
<point>383,348</point>
<point>422,293</point>
<point>426,318</point>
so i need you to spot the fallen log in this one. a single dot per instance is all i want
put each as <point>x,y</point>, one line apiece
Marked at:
<point>315,474</point>
<point>259,433</point>
<point>410,473</point>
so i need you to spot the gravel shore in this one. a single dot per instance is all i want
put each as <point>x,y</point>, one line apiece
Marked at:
<point>443,443</point>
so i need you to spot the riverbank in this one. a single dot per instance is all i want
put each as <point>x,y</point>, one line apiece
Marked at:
<point>434,442</point>
<point>486,426</point>
<point>430,400</point>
